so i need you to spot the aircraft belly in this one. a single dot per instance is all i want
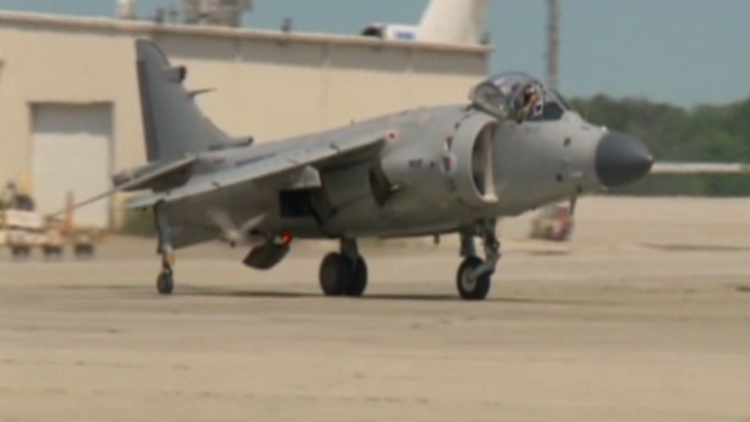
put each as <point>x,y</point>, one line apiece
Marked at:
<point>423,210</point>
<point>190,226</point>
<point>185,235</point>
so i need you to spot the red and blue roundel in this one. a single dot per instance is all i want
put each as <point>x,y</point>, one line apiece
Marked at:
<point>449,162</point>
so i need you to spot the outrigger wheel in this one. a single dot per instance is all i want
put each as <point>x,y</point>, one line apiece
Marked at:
<point>165,282</point>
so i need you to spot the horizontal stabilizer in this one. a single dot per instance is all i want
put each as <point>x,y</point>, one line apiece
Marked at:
<point>667,168</point>
<point>282,162</point>
<point>151,174</point>
<point>131,181</point>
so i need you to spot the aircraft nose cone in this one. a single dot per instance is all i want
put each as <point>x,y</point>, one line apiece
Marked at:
<point>621,159</point>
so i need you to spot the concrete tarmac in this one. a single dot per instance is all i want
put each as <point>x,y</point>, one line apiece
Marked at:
<point>644,316</point>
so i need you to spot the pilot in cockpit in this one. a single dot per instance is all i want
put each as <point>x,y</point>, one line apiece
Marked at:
<point>517,96</point>
<point>529,101</point>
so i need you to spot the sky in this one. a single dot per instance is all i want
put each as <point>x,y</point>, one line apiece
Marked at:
<point>683,52</point>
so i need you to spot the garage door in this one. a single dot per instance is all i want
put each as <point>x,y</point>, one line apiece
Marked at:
<point>71,151</point>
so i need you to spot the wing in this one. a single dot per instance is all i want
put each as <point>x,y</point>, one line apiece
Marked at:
<point>669,168</point>
<point>284,161</point>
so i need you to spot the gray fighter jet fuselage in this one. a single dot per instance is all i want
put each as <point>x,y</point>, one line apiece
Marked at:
<point>421,172</point>
<point>430,177</point>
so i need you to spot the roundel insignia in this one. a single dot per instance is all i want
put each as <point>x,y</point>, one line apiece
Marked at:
<point>449,163</point>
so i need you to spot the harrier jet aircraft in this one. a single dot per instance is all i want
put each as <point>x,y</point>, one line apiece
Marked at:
<point>456,168</point>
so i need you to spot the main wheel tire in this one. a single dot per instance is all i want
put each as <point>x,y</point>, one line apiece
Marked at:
<point>357,281</point>
<point>334,273</point>
<point>468,289</point>
<point>165,283</point>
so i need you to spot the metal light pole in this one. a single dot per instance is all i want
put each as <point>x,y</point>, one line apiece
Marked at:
<point>553,43</point>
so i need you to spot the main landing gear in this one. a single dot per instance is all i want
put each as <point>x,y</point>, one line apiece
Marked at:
<point>344,273</point>
<point>473,278</point>
<point>165,280</point>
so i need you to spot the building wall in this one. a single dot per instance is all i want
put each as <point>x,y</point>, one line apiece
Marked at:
<point>71,151</point>
<point>268,85</point>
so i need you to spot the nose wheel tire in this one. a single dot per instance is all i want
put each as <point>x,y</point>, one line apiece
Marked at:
<point>342,276</point>
<point>165,283</point>
<point>468,288</point>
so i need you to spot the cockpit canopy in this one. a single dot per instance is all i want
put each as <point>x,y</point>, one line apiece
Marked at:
<point>518,96</point>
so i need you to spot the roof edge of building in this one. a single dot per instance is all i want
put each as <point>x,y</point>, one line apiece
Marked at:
<point>148,27</point>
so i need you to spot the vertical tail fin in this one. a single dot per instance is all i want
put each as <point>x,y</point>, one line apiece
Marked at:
<point>173,124</point>
<point>454,21</point>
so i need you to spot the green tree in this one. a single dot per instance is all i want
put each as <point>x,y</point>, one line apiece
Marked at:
<point>706,133</point>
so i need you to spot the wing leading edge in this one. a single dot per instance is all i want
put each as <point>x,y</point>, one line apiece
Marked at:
<point>284,161</point>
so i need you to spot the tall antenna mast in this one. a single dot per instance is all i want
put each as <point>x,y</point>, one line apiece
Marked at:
<point>553,43</point>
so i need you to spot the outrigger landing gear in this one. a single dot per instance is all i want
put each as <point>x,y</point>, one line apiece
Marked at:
<point>344,273</point>
<point>473,278</point>
<point>165,280</point>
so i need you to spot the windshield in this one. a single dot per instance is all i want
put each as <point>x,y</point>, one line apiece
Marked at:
<point>566,105</point>
<point>520,96</point>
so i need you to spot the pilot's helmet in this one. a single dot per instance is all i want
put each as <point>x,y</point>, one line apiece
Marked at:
<point>532,88</point>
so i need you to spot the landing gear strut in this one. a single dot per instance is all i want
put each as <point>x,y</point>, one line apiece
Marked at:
<point>165,280</point>
<point>473,278</point>
<point>344,273</point>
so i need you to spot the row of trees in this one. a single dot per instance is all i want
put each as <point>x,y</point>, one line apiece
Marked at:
<point>706,133</point>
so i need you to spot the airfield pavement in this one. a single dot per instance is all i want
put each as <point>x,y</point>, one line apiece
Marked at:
<point>644,316</point>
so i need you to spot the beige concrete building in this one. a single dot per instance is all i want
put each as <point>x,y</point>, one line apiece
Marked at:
<point>69,111</point>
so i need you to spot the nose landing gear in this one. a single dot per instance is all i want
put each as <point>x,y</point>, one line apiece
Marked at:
<point>473,278</point>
